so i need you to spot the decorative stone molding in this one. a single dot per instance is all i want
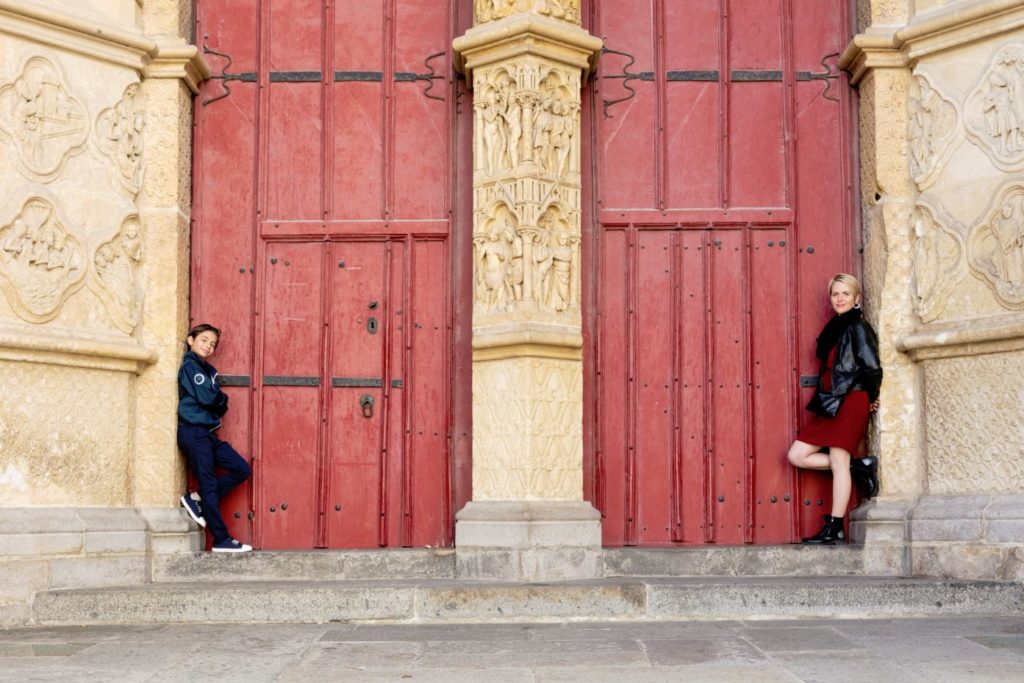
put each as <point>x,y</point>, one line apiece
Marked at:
<point>939,259</point>
<point>935,129</point>
<point>179,60</point>
<point>116,274</point>
<point>72,348</point>
<point>995,247</point>
<point>965,338</point>
<point>491,10</point>
<point>119,136</point>
<point>931,33</point>
<point>41,262</point>
<point>79,34</point>
<point>994,110</point>
<point>44,124</point>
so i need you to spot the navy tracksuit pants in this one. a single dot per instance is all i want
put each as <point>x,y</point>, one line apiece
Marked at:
<point>206,453</point>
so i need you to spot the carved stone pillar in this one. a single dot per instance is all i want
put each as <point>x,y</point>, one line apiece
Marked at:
<point>526,61</point>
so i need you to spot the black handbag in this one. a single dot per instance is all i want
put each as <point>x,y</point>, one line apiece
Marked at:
<point>825,403</point>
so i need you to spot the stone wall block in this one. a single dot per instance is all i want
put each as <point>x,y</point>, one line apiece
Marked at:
<point>40,544</point>
<point>947,530</point>
<point>85,572</point>
<point>958,560</point>
<point>166,520</point>
<point>40,520</point>
<point>21,578</point>
<point>111,519</point>
<point>114,542</point>
<point>170,544</point>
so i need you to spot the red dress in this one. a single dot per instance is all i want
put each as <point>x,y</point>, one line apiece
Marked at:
<point>846,430</point>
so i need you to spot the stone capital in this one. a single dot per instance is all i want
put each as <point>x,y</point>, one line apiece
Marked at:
<point>179,60</point>
<point>526,35</point>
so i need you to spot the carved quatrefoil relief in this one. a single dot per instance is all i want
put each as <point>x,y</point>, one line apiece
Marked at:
<point>117,279</point>
<point>994,111</point>
<point>996,245</point>
<point>119,132</point>
<point>41,263</point>
<point>939,259</point>
<point>489,10</point>
<point>934,129</point>
<point>44,123</point>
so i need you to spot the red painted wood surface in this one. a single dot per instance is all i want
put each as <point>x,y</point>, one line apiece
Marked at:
<point>720,204</point>
<point>324,197</point>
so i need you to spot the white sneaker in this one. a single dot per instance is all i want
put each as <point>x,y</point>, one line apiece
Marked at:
<point>231,546</point>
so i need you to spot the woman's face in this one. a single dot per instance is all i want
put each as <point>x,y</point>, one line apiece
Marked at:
<point>843,298</point>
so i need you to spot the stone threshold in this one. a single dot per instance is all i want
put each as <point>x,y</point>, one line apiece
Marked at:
<point>444,601</point>
<point>399,564</point>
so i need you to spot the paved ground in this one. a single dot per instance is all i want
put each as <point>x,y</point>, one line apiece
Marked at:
<point>878,651</point>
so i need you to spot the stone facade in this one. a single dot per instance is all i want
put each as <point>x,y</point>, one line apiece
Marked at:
<point>95,123</point>
<point>942,115</point>
<point>95,129</point>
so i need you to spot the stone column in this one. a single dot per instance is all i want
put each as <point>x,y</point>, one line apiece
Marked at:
<point>527,521</point>
<point>882,75</point>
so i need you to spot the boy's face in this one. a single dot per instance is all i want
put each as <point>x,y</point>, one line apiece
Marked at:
<point>203,344</point>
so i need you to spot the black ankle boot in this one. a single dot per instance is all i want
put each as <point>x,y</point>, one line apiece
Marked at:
<point>831,534</point>
<point>865,474</point>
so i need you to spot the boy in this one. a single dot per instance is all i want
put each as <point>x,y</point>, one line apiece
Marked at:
<point>201,404</point>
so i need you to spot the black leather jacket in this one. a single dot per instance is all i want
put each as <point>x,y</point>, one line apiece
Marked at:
<point>856,367</point>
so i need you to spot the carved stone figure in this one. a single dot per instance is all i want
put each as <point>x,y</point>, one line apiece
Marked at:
<point>996,245</point>
<point>939,264</point>
<point>495,141</point>
<point>117,265</point>
<point>45,124</point>
<point>493,263</point>
<point>40,262</point>
<point>1009,231</point>
<point>489,10</point>
<point>512,114</point>
<point>934,125</point>
<point>120,135</point>
<point>995,108</point>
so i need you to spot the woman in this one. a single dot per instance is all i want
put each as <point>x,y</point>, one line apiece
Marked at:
<point>846,395</point>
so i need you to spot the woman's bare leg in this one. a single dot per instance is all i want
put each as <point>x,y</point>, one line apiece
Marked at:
<point>807,456</point>
<point>842,483</point>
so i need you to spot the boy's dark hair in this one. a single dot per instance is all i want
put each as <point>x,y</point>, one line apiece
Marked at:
<point>199,329</point>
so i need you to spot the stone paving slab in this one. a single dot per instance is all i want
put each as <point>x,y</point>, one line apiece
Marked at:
<point>973,649</point>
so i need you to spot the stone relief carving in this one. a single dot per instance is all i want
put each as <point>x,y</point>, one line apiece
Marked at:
<point>119,131</point>
<point>489,10</point>
<point>44,123</point>
<point>934,129</point>
<point>41,263</point>
<point>973,407</point>
<point>526,265</point>
<point>939,259</point>
<point>995,108</point>
<point>531,451</point>
<point>117,279</point>
<point>526,117</point>
<point>996,245</point>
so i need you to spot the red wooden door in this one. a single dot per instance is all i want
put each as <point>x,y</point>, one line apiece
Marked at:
<point>721,200</point>
<point>325,159</point>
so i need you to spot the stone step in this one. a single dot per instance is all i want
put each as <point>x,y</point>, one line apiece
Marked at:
<point>353,565</point>
<point>323,565</point>
<point>434,601</point>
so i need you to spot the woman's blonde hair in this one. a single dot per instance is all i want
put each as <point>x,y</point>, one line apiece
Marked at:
<point>848,280</point>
